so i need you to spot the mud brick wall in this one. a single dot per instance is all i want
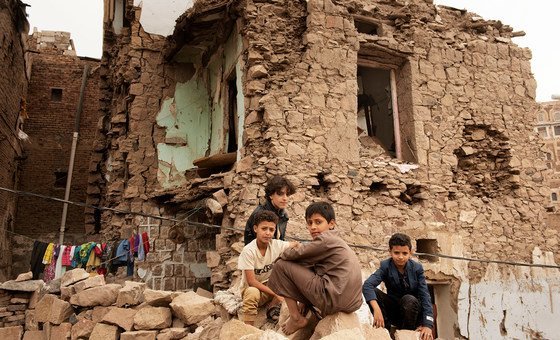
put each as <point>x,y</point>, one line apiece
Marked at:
<point>50,128</point>
<point>465,95</point>
<point>13,87</point>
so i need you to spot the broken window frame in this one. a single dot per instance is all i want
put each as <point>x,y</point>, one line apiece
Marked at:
<point>556,130</point>
<point>367,63</point>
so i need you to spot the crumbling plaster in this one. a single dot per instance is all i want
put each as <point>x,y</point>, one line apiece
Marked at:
<point>299,99</point>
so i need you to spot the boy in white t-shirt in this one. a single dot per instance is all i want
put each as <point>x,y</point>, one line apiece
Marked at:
<point>255,263</point>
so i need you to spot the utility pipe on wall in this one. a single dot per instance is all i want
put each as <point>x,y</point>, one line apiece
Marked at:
<point>73,153</point>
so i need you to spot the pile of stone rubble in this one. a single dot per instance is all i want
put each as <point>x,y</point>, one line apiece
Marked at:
<point>80,306</point>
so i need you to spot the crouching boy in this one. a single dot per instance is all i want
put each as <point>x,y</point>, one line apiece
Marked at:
<point>324,273</point>
<point>407,304</point>
<point>255,262</point>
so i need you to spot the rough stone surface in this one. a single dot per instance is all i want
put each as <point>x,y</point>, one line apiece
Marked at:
<point>131,294</point>
<point>96,296</point>
<point>104,332</point>
<point>73,276</point>
<point>235,329</point>
<point>172,333</point>
<point>24,276</point>
<point>371,332</point>
<point>157,297</point>
<point>35,335</point>
<point>14,332</point>
<point>82,329</point>
<point>90,282</point>
<point>403,334</point>
<point>22,286</point>
<point>334,323</point>
<point>52,309</point>
<point>122,317</point>
<point>192,308</point>
<point>139,335</point>
<point>152,318</point>
<point>62,331</point>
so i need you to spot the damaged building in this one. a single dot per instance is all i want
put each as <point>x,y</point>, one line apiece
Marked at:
<point>406,116</point>
<point>13,88</point>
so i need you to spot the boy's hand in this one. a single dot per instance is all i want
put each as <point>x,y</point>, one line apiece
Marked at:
<point>294,244</point>
<point>378,320</point>
<point>276,300</point>
<point>425,333</point>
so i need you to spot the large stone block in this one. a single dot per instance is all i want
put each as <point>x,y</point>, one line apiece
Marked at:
<point>61,332</point>
<point>22,286</point>
<point>90,282</point>
<point>122,317</point>
<point>14,333</point>
<point>235,329</point>
<point>192,308</point>
<point>73,276</point>
<point>158,298</point>
<point>34,335</point>
<point>96,296</point>
<point>52,309</point>
<point>82,329</point>
<point>152,318</point>
<point>375,333</point>
<point>172,333</point>
<point>131,294</point>
<point>334,323</point>
<point>139,335</point>
<point>104,332</point>
<point>24,276</point>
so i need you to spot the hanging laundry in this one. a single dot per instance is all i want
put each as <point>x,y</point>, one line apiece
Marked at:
<point>47,258</point>
<point>59,269</point>
<point>67,256</point>
<point>37,255</point>
<point>146,242</point>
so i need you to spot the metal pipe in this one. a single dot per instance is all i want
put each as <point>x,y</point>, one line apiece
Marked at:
<point>73,153</point>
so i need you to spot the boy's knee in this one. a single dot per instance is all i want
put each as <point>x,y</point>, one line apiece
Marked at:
<point>410,301</point>
<point>251,294</point>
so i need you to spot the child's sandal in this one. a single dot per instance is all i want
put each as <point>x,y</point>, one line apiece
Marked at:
<point>273,313</point>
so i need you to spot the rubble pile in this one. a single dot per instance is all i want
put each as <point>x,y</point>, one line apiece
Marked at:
<point>80,306</point>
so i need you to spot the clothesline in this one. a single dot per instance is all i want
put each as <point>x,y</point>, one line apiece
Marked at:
<point>207,225</point>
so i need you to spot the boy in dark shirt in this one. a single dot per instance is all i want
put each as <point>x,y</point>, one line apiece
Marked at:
<point>277,193</point>
<point>407,304</point>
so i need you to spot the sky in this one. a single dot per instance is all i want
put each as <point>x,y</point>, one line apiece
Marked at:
<point>538,18</point>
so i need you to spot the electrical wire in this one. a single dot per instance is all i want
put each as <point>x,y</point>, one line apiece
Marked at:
<point>207,225</point>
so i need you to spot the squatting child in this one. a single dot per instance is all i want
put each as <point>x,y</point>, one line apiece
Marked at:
<point>255,263</point>
<point>407,304</point>
<point>324,273</point>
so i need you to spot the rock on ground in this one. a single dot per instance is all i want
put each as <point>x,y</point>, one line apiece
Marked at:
<point>158,298</point>
<point>131,294</point>
<point>14,332</point>
<point>403,334</point>
<point>139,335</point>
<point>97,296</point>
<point>150,317</point>
<point>122,317</point>
<point>90,282</point>
<point>24,276</point>
<point>172,334</point>
<point>52,309</point>
<point>73,276</point>
<point>82,329</point>
<point>334,323</point>
<point>34,335</point>
<point>235,329</point>
<point>192,308</point>
<point>375,333</point>
<point>104,332</point>
<point>22,286</point>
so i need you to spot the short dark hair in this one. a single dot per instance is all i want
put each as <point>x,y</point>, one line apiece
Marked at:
<point>265,216</point>
<point>400,239</point>
<point>322,208</point>
<point>276,184</point>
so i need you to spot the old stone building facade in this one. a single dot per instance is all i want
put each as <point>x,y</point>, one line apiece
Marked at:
<point>13,87</point>
<point>548,127</point>
<point>53,96</point>
<point>406,116</point>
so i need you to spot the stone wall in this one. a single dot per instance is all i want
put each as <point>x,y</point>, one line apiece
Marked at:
<point>465,99</point>
<point>13,87</point>
<point>53,96</point>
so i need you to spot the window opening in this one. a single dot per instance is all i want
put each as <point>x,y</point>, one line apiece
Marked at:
<point>366,27</point>
<point>375,107</point>
<point>56,94</point>
<point>548,156</point>
<point>543,132</point>
<point>554,197</point>
<point>232,113</point>
<point>429,246</point>
<point>60,179</point>
<point>540,117</point>
<point>557,116</point>
<point>557,130</point>
<point>445,317</point>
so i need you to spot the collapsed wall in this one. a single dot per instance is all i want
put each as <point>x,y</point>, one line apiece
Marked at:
<point>13,86</point>
<point>337,96</point>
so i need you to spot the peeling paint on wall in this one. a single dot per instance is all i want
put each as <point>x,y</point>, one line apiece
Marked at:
<point>515,303</point>
<point>186,119</point>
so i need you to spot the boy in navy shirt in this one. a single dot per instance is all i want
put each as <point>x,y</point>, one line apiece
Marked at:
<point>407,304</point>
